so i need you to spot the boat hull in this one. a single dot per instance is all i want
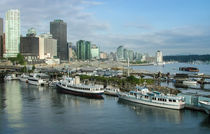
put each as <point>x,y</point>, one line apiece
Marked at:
<point>205,106</point>
<point>110,93</point>
<point>23,79</point>
<point>35,82</point>
<point>177,107</point>
<point>77,93</point>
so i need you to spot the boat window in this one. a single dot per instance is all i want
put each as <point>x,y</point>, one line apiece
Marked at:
<point>170,100</point>
<point>174,100</point>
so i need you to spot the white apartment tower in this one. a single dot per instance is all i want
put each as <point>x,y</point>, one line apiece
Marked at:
<point>159,56</point>
<point>12,33</point>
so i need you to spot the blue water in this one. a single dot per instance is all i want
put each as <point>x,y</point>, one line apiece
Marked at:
<point>28,109</point>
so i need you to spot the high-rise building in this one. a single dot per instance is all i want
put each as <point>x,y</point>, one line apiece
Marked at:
<point>103,55</point>
<point>83,50</point>
<point>30,48</point>
<point>159,57</point>
<point>125,54</point>
<point>94,52</point>
<point>58,29</point>
<point>50,45</point>
<point>71,51</point>
<point>12,33</point>
<point>1,27</point>
<point>131,55</point>
<point>1,37</point>
<point>120,54</point>
<point>87,50</point>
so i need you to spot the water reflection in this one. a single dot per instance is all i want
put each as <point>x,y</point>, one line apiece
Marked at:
<point>157,114</point>
<point>2,97</point>
<point>14,104</point>
<point>206,122</point>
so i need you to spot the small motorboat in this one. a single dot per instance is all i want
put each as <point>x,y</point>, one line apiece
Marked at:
<point>206,105</point>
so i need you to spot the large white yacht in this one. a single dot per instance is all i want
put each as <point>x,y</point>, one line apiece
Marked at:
<point>144,96</point>
<point>73,86</point>
<point>24,78</point>
<point>35,79</point>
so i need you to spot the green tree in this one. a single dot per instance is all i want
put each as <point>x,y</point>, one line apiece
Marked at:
<point>33,67</point>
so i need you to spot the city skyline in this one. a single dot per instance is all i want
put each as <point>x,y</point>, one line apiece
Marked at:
<point>178,27</point>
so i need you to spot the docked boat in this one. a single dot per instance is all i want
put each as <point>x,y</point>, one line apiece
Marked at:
<point>10,77</point>
<point>144,96</point>
<point>74,87</point>
<point>24,78</point>
<point>111,91</point>
<point>35,79</point>
<point>189,69</point>
<point>205,105</point>
<point>189,82</point>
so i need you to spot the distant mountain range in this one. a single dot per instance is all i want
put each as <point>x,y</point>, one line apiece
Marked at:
<point>187,58</point>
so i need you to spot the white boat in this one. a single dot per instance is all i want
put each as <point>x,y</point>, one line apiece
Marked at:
<point>73,86</point>
<point>205,105</point>
<point>24,78</point>
<point>111,91</point>
<point>144,96</point>
<point>35,79</point>
<point>189,82</point>
<point>53,83</point>
<point>10,77</point>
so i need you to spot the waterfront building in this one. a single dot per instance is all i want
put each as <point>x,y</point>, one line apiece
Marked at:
<point>12,33</point>
<point>125,54</point>
<point>1,37</point>
<point>71,51</point>
<point>50,45</point>
<point>159,57</point>
<point>94,52</point>
<point>138,56</point>
<point>30,48</point>
<point>103,55</point>
<point>131,55</point>
<point>143,58</point>
<point>83,50</point>
<point>1,27</point>
<point>120,53</point>
<point>58,29</point>
<point>87,50</point>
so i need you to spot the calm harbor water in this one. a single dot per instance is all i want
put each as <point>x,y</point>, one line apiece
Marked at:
<point>28,109</point>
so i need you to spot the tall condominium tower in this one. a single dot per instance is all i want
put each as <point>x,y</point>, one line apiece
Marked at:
<point>1,27</point>
<point>83,50</point>
<point>159,56</point>
<point>58,29</point>
<point>1,37</point>
<point>12,33</point>
<point>120,53</point>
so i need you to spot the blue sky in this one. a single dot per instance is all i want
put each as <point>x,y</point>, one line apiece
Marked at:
<point>172,26</point>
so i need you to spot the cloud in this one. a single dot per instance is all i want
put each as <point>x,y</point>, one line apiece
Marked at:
<point>83,24</point>
<point>39,13</point>
<point>139,26</point>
